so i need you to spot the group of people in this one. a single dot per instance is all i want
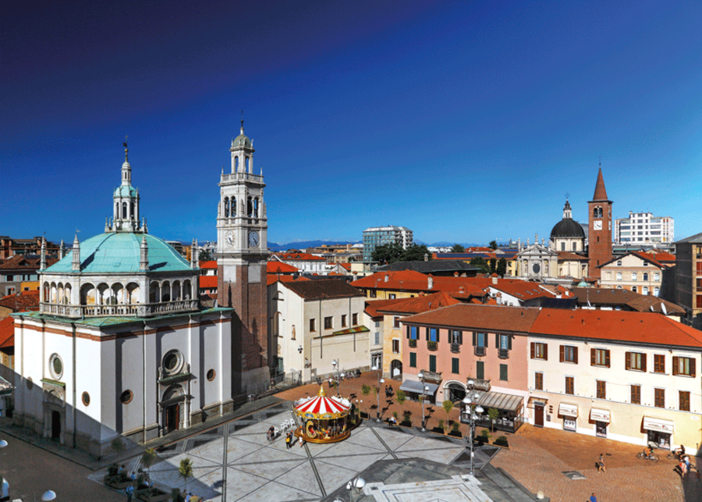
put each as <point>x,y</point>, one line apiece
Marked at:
<point>140,480</point>
<point>290,441</point>
<point>388,391</point>
<point>684,462</point>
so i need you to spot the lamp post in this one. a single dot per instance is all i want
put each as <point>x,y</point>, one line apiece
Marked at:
<point>380,380</point>
<point>425,389</point>
<point>472,407</point>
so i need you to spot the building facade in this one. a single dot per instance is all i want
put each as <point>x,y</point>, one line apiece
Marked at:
<point>599,228</point>
<point>637,272</point>
<point>688,278</point>
<point>644,228</point>
<point>379,236</point>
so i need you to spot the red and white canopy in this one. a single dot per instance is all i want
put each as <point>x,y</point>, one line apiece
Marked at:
<point>323,407</point>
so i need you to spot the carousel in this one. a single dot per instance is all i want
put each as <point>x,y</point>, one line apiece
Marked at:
<point>324,419</point>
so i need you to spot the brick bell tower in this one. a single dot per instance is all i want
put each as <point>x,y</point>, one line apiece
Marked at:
<point>600,228</point>
<point>242,253</point>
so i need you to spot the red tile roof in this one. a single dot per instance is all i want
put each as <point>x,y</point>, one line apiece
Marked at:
<point>20,262</point>
<point>323,289</point>
<point>662,256</point>
<point>278,267</point>
<point>419,304</point>
<point>616,325</point>
<point>7,333</point>
<point>522,289</point>
<point>299,256</point>
<point>208,264</point>
<point>21,302</point>
<point>208,281</point>
<point>372,306</point>
<point>485,317</point>
<point>273,278</point>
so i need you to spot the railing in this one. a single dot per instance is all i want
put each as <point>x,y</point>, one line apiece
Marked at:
<point>432,346</point>
<point>132,309</point>
<point>241,177</point>
<point>479,351</point>
<point>412,343</point>
<point>455,348</point>
<point>503,353</point>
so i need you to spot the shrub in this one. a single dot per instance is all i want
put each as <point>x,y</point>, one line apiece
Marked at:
<point>394,414</point>
<point>441,424</point>
<point>455,427</point>
<point>501,441</point>
<point>400,396</point>
<point>486,434</point>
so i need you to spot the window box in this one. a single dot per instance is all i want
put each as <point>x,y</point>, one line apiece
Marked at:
<point>413,344</point>
<point>432,346</point>
<point>503,354</point>
<point>455,348</point>
<point>479,351</point>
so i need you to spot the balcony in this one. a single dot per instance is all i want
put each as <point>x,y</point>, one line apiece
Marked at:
<point>455,348</point>
<point>503,353</point>
<point>119,310</point>
<point>479,351</point>
<point>433,346</point>
<point>413,343</point>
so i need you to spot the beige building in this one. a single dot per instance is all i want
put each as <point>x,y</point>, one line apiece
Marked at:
<point>635,271</point>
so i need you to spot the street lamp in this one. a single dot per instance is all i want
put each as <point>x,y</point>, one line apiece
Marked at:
<point>472,407</point>
<point>380,380</point>
<point>48,496</point>
<point>425,389</point>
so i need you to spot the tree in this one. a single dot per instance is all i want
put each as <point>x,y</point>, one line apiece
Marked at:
<point>204,255</point>
<point>457,248</point>
<point>185,470</point>
<point>388,253</point>
<point>366,390</point>
<point>493,244</point>
<point>493,265</point>
<point>480,262</point>
<point>502,267</point>
<point>148,458</point>
<point>416,253</point>
<point>400,396</point>
<point>493,413</point>
<point>448,406</point>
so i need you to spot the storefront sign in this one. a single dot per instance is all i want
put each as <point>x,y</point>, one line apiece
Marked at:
<point>569,424</point>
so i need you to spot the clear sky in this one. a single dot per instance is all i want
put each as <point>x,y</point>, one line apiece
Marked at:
<point>464,121</point>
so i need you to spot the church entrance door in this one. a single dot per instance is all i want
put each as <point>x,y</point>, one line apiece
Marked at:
<point>172,418</point>
<point>55,425</point>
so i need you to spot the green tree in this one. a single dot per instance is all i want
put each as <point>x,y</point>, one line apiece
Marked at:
<point>388,253</point>
<point>447,406</point>
<point>480,262</point>
<point>493,413</point>
<point>148,458</point>
<point>416,253</point>
<point>502,267</point>
<point>457,248</point>
<point>493,244</point>
<point>204,256</point>
<point>118,445</point>
<point>400,396</point>
<point>366,390</point>
<point>493,265</point>
<point>185,470</point>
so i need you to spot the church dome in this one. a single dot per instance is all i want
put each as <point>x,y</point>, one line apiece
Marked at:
<point>567,227</point>
<point>125,191</point>
<point>119,253</point>
<point>241,140</point>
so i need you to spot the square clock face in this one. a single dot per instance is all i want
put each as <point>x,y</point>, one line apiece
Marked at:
<point>598,225</point>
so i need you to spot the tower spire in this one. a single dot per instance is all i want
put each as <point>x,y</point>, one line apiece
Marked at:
<point>600,191</point>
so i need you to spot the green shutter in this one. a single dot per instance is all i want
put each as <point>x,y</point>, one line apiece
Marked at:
<point>503,372</point>
<point>480,370</point>
<point>432,363</point>
<point>454,365</point>
<point>413,360</point>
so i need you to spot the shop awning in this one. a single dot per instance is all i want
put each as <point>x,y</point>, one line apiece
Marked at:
<point>416,387</point>
<point>599,415</point>
<point>497,400</point>
<point>657,424</point>
<point>568,410</point>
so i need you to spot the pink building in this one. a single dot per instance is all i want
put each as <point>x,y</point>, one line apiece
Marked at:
<point>485,343</point>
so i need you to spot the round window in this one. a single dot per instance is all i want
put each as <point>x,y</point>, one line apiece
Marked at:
<point>56,366</point>
<point>86,398</point>
<point>126,397</point>
<point>172,362</point>
<point>211,375</point>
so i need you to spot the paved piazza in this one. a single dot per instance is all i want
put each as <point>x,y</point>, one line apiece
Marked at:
<point>236,459</point>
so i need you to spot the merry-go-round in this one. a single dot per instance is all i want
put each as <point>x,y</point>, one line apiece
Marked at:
<point>324,419</point>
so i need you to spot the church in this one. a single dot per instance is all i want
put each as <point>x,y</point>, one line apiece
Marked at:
<point>121,345</point>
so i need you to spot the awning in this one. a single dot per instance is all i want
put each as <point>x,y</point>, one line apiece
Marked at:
<point>598,415</point>
<point>497,400</point>
<point>568,410</point>
<point>416,387</point>
<point>656,424</point>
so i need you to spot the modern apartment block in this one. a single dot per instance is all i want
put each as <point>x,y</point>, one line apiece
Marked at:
<point>379,236</point>
<point>643,228</point>
<point>688,278</point>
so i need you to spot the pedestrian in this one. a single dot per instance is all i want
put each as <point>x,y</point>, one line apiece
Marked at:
<point>601,464</point>
<point>129,491</point>
<point>593,498</point>
<point>288,440</point>
<point>302,442</point>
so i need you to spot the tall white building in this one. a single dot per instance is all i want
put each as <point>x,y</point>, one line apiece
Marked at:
<point>643,228</point>
<point>379,236</point>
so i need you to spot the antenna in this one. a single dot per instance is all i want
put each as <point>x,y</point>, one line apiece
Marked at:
<point>567,195</point>
<point>600,161</point>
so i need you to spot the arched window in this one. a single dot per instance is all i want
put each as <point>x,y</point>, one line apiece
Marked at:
<point>124,210</point>
<point>248,163</point>
<point>249,209</point>
<point>226,207</point>
<point>233,207</point>
<point>236,163</point>
<point>255,207</point>
<point>131,210</point>
<point>575,246</point>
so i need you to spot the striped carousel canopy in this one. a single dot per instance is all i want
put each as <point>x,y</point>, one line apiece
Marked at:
<point>322,407</point>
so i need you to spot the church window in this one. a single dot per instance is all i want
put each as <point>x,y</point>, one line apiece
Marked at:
<point>126,397</point>
<point>645,276</point>
<point>233,207</point>
<point>173,362</point>
<point>563,246</point>
<point>124,210</point>
<point>236,163</point>
<point>211,374</point>
<point>575,246</point>
<point>226,207</point>
<point>249,208</point>
<point>86,399</point>
<point>56,366</point>
<point>255,207</point>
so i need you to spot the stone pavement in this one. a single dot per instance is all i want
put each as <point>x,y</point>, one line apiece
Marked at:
<point>538,458</point>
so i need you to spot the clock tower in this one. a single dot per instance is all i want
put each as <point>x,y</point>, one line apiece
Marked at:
<point>242,254</point>
<point>600,228</point>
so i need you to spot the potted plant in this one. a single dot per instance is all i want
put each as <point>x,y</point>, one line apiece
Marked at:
<point>440,429</point>
<point>406,419</point>
<point>493,414</point>
<point>502,441</point>
<point>454,430</point>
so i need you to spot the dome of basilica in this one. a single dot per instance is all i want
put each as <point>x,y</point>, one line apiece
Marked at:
<point>567,228</point>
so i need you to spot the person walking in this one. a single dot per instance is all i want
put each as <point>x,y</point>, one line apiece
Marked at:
<point>302,442</point>
<point>288,440</point>
<point>593,498</point>
<point>601,464</point>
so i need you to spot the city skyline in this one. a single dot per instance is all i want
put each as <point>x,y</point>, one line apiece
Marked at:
<point>462,122</point>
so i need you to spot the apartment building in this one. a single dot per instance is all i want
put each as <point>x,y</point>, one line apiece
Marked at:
<point>688,278</point>
<point>644,228</point>
<point>379,236</point>
<point>636,271</point>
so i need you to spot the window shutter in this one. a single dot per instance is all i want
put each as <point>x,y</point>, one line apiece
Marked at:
<point>533,349</point>
<point>546,351</point>
<point>675,365</point>
<point>438,334</point>
<point>486,340</point>
<point>497,341</point>
<point>607,358</point>
<point>409,328</point>
<point>627,360</point>
<point>460,338</point>
<point>643,362</point>
<point>692,367</point>
<point>426,333</point>
<point>509,342</point>
<point>475,338</point>
<point>575,355</point>
<point>593,357</point>
<point>562,353</point>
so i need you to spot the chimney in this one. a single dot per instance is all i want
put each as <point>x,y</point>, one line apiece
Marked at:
<point>494,280</point>
<point>387,277</point>
<point>430,282</point>
<point>75,266</point>
<point>426,257</point>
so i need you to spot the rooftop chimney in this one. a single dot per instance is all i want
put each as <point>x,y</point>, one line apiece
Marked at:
<point>387,277</point>
<point>430,282</point>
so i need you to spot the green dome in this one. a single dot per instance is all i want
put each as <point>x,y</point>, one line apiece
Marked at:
<point>242,140</point>
<point>125,191</point>
<point>119,253</point>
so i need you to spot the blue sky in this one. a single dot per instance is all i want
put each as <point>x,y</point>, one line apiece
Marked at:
<point>464,121</point>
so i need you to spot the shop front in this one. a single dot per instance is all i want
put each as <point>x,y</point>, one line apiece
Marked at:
<point>569,413</point>
<point>601,419</point>
<point>413,388</point>
<point>510,411</point>
<point>659,431</point>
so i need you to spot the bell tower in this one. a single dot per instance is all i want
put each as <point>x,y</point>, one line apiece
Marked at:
<point>600,227</point>
<point>242,253</point>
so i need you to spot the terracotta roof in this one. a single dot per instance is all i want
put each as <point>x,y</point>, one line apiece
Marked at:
<point>372,306</point>
<point>522,289</point>
<point>208,281</point>
<point>21,302</point>
<point>600,192</point>
<point>487,317</point>
<point>346,266</point>
<point>321,290</point>
<point>419,304</point>
<point>20,262</point>
<point>624,297</point>
<point>616,325</point>
<point>208,264</point>
<point>409,280</point>
<point>298,256</point>
<point>278,267</point>
<point>7,333</point>
<point>273,278</point>
<point>662,256</point>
